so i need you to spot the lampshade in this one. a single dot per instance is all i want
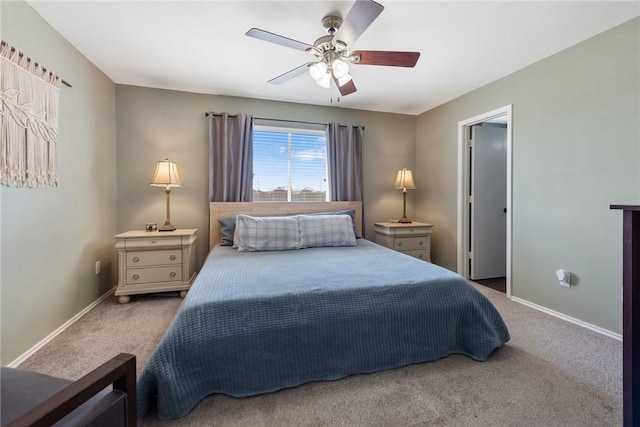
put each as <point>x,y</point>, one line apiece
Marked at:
<point>322,73</point>
<point>340,68</point>
<point>325,81</point>
<point>166,175</point>
<point>405,179</point>
<point>318,70</point>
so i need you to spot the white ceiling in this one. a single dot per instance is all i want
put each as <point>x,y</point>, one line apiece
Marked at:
<point>201,46</point>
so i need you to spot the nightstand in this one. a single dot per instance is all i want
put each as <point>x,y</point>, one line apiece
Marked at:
<point>410,238</point>
<point>156,261</point>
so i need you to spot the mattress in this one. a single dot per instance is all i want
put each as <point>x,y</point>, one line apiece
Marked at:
<point>257,322</point>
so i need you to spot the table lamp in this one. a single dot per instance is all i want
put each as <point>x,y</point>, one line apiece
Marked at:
<point>166,176</point>
<point>404,180</point>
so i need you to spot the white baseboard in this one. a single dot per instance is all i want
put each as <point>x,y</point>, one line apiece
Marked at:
<point>57,332</point>
<point>562,316</point>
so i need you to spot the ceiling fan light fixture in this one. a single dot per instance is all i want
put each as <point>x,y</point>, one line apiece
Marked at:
<point>318,71</point>
<point>340,68</point>
<point>339,45</point>
<point>324,81</point>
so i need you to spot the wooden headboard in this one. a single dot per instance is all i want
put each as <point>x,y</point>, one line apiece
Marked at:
<point>225,209</point>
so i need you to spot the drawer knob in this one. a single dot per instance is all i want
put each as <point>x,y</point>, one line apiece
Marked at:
<point>136,259</point>
<point>421,243</point>
<point>136,277</point>
<point>153,241</point>
<point>172,257</point>
<point>399,244</point>
<point>421,255</point>
<point>172,274</point>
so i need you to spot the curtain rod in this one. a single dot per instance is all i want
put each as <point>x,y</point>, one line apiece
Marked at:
<point>13,49</point>
<point>207,114</point>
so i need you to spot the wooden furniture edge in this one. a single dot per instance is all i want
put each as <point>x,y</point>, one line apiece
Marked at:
<point>119,371</point>
<point>630,314</point>
<point>219,210</point>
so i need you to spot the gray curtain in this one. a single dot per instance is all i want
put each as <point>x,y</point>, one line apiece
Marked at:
<point>344,162</point>
<point>230,157</point>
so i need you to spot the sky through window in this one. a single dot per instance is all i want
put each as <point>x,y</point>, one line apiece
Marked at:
<point>291,163</point>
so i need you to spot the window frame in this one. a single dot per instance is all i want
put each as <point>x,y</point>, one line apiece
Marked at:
<point>291,128</point>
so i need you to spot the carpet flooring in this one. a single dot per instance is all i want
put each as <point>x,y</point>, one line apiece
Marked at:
<point>551,373</point>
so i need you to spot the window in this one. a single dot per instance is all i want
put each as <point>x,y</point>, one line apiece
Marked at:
<point>289,164</point>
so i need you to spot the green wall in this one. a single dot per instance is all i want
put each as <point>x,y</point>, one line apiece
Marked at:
<point>153,124</point>
<point>51,238</point>
<point>576,150</point>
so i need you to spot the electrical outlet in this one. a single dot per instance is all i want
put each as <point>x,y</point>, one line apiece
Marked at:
<point>97,267</point>
<point>564,278</point>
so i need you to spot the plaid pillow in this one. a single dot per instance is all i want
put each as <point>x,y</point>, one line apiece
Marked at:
<point>326,230</point>
<point>274,233</point>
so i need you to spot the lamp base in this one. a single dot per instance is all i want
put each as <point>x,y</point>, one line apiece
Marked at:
<point>404,220</point>
<point>167,227</point>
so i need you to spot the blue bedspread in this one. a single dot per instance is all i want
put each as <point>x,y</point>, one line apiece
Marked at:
<point>256,322</point>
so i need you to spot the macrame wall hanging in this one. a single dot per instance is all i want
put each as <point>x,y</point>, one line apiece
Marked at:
<point>29,121</point>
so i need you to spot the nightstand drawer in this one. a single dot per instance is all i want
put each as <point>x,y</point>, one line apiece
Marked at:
<point>149,258</point>
<point>152,242</point>
<point>406,231</point>
<point>136,276</point>
<point>408,243</point>
<point>421,254</point>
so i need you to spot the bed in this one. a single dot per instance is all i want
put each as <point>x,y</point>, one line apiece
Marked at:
<point>257,322</point>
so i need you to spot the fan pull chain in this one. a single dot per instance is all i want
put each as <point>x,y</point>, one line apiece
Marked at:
<point>331,97</point>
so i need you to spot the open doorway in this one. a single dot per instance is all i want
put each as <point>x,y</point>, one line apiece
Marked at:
<point>484,198</point>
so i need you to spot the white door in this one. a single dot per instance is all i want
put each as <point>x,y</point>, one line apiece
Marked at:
<point>488,202</point>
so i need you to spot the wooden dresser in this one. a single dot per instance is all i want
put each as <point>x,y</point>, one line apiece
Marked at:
<point>412,238</point>
<point>630,314</point>
<point>157,261</point>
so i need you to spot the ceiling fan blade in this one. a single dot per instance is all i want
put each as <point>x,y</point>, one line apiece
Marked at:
<point>277,39</point>
<point>361,15</point>
<point>298,71</point>
<point>347,88</point>
<point>383,57</point>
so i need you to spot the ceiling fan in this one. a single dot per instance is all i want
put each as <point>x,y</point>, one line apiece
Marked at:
<point>333,53</point>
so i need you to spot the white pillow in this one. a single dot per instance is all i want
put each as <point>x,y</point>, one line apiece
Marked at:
<point>273,233</point>
<point>326,230</point>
